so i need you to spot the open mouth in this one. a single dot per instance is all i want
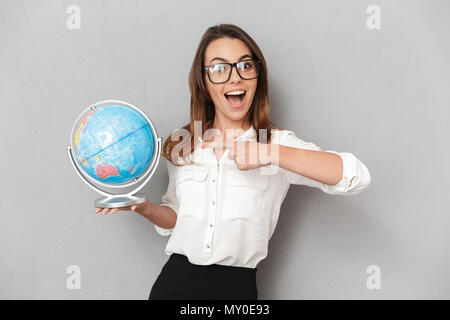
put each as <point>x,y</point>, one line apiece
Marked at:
<point>236,98</point>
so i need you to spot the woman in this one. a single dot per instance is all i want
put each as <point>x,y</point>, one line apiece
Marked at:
<point>228,181</point>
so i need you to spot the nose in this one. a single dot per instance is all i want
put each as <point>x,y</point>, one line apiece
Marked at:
<point>234,75</point>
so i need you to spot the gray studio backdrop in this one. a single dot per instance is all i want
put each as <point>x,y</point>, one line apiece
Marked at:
<point>380,93</point>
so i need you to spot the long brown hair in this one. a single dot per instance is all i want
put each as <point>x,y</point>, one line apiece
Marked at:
<point>202,106</point>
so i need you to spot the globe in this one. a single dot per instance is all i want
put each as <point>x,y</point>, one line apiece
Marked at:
<point>113,144</point>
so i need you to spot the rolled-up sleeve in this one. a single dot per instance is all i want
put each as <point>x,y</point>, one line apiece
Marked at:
<point>355,177</point>
<point>169,199</point>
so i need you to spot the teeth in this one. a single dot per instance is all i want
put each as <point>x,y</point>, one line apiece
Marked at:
<point>234,93</point>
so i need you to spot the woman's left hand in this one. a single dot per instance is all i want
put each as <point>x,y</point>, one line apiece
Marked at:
<point>246,154</point>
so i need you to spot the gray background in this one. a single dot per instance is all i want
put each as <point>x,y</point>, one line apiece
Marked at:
<point>380,94</point>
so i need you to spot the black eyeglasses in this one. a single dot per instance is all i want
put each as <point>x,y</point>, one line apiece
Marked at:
<point>221,72</point>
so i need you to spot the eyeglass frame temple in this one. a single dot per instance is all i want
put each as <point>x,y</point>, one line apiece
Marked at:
<point>231,69</point>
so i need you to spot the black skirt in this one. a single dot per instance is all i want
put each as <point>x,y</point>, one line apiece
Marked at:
<point>180,279</point>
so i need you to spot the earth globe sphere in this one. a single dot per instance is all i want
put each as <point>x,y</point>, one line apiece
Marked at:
<point>114,144</point>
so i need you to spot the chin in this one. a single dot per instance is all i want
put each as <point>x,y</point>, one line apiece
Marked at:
<point>237,114</point>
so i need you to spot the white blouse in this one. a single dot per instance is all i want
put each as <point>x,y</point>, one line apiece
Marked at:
<point>226,215</point>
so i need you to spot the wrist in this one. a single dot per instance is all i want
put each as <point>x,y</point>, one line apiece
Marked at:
<point>148,209</point>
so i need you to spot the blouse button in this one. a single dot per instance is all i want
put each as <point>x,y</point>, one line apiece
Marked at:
<point>213,203</point>
<point>211,225</point>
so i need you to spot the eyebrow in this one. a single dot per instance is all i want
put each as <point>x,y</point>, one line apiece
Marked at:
<point>225,60</point>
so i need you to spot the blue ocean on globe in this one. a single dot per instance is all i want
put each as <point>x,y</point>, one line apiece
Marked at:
<point>113,144</point>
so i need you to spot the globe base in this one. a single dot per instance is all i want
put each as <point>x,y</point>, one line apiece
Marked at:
<point>120,201</point>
